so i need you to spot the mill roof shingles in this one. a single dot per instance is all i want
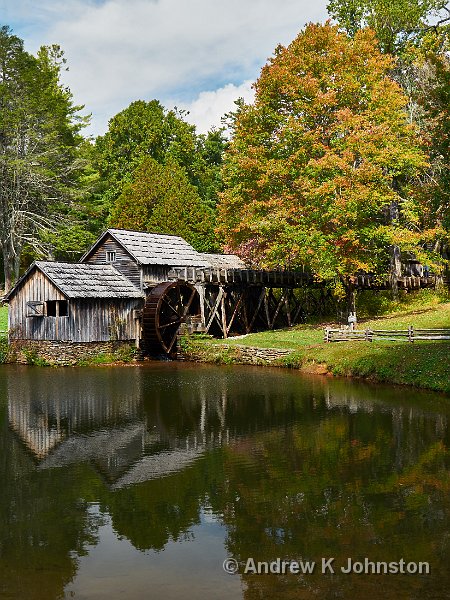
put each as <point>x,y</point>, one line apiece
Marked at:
<point>157,249</point>
<point>224,261</point>
<point>89,281</point>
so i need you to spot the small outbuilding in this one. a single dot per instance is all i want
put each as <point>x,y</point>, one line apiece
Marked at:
<point>54,303</point>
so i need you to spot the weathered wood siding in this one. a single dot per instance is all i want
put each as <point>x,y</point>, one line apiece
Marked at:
<point>124,262</point>
<point>153,274</point>
<point>88,320</point>
<point>36,288</point>
<point>104,320</point>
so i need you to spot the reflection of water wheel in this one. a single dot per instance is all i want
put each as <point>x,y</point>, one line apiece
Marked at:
<point>167,306</point>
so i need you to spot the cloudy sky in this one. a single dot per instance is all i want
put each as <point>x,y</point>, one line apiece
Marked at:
<point>199,55</point>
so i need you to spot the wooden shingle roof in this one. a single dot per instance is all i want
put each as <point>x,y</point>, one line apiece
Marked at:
<point>224,261</point>
<point>156,249</point>
<point>89,281</point>
<point>83,281</point>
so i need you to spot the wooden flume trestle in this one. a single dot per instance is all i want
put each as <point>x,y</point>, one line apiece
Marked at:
<point>224,302</point>
<point>240,301</point>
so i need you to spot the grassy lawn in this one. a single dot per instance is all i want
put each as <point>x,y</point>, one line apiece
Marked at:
<point>423,364</point>
<point>307,335</point>
<point>3,318</point>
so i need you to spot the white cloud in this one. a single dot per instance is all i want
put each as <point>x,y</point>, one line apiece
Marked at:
<point>209,107</point>
<point>123,50</point>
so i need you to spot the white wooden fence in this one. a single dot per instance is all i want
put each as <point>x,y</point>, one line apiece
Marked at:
<point>409,335</point>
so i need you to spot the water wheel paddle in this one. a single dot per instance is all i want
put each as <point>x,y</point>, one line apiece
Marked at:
<point>167,306</point>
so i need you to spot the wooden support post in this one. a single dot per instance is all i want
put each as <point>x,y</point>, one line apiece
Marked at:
<point>280,304</point>
<point>213,315</point>
<point>224,315</point>
<point>266,308</point>
<point>244,314</point>
<point>201,293</point>
<point>238,304</point>
<point>260,301</point>
<point>288,312</point>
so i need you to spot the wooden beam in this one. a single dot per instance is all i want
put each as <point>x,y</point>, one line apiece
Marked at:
<point>224,315</point>
<point>266,308</point>
<point>260,301</point>
<point>238,304</point>
<point>213,315</point>
<point>280,304</point>
<point>288,311</point>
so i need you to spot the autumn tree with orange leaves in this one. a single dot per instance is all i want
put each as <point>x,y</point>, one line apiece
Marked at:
<point>319,169</point>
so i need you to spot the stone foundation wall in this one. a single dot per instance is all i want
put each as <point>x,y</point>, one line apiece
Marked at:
<point>61,353</point>
<point>254,356</point>
<point>245,355</point>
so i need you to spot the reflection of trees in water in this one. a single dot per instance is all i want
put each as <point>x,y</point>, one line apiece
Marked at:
<point>162,510</point>
<point>294,468</point>
<point>41,530</point>
<point>334,490</point>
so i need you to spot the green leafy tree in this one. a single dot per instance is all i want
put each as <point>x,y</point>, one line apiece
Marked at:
<point>39,137</point>
<point>209,158</point>
<point>320,163</point>
<point>434,99</point>
<point>147,130</point>
<point>396,23</point>
<point>80,221</point>
<point>416,33</point>
<point>161,199</point>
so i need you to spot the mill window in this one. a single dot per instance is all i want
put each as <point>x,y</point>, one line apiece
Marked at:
<point>63,307</point>
<point>110,256</point>
<point>51,308</point>
<point>57,308</point>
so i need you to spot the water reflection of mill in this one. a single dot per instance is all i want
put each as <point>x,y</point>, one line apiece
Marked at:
<point>280,465</point>
<point>111,430</point>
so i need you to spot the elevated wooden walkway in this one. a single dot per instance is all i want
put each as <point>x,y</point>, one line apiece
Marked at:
<point>289,279</point>
<point>278,278</point>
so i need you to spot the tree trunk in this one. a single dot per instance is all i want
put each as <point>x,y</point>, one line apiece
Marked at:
<point>350,298</point>
<point>16,266</point>
<point>395,270</point>
<point>11,262</point>
<point>8,271</point>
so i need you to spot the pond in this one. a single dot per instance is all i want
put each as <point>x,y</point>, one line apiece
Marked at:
<point>139,482</point>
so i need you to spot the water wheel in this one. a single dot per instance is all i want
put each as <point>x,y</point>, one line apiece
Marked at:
<point>167,306</point>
